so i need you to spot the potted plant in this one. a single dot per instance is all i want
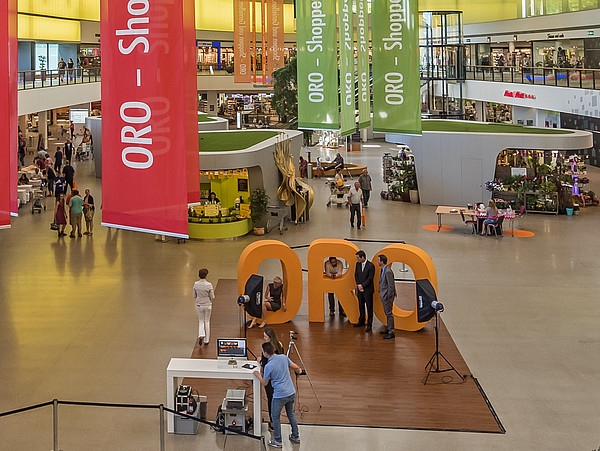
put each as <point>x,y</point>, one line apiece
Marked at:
<point>258,209</point>
<point>42,64</point>
<point>411,183</point>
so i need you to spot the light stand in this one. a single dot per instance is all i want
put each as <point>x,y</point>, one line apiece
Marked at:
<point>293,346</point>
<point>244,325</point>
<point>433,366</point>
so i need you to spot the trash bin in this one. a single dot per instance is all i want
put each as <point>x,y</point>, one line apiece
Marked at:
<point>309,171</point>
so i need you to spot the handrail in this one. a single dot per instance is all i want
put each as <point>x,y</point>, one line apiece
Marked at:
<point>45,78</point>
<point>160,407</point>
<point>567,77</point>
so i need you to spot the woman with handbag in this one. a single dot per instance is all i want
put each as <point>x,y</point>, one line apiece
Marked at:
<point>88,212</point>
<point>60,215</point>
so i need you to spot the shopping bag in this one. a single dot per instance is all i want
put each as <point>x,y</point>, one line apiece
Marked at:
<point>53,226</point>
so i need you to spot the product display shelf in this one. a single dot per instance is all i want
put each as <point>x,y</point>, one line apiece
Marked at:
<point>545,197</point>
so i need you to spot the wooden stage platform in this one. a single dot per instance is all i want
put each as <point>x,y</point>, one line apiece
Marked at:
<point>360,379</point>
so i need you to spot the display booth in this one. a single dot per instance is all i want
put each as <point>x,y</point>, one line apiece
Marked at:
<point>454,159</point>
<point>233,164</point>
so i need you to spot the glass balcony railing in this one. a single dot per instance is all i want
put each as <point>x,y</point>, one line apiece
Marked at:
<point>547,76</point>
<point>30,79</point>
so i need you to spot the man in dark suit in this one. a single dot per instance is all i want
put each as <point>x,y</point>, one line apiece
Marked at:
<point>387,293</point>
<point>363,276</point>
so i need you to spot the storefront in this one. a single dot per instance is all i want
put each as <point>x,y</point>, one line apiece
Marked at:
<point>227,213</point>
<point>89,56</point>
<point>498,112</point>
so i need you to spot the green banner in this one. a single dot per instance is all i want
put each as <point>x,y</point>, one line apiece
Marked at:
<point>396,83</point>
<point>364,82</point>
<point>347,100</point>
<point>316,35</point>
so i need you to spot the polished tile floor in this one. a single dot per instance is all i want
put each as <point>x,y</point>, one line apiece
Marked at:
<point>98,319</point>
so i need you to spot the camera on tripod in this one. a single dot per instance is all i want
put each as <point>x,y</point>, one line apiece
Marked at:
<point>293,335</point>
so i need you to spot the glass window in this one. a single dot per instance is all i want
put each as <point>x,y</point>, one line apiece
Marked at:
<point>41,56</point>
<point>52,56</point>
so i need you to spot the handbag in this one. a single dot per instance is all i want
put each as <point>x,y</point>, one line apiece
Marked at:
<point>89,214</point>
<point>53,226</point>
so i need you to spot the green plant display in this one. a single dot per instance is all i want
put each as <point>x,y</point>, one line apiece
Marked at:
<point>285,92</point>
<point>259,200</point>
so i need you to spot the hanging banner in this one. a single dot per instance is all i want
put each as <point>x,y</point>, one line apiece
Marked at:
<point>241,37</point>
<point>275,36</point>
<point>191,102</point>
<point>318,106</point>
<point>396,84</point>
<point>144,123</point>
<point>364,76</point>
<point>8,112</point>
<point>347,92</point>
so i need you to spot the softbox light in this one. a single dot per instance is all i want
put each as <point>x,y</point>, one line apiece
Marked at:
<point>425,296</point>
<point>254,290</point>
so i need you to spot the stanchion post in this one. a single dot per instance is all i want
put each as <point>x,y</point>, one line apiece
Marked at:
<point>161,410</point>
<point>55,424</point>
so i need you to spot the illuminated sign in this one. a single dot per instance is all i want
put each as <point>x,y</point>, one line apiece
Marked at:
<point>518,95</point>
<point>222,174</point>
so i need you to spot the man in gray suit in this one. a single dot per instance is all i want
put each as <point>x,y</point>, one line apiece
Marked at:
<point>387,293</point>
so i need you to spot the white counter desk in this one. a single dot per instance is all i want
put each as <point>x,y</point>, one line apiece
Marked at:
<point>210,369</point>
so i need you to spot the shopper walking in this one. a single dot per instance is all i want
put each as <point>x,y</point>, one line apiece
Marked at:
<point>58,156</point>
<point>71,67</point>
<point>69,174</point>
<point>61,69</point>
<point>277,371</point>
<point>76,209</point>
<point>354,200</point>
<point>60,214</point>
<point>68,149</point>
<point>60,184</point>
<point>88,212</point>
<point>72,129</point>
<point>50,177</point>
<point>366,186</point>
<point>203,294</point>
<point>387,293</point>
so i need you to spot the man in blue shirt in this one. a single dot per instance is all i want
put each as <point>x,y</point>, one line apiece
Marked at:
<point>284,394</point>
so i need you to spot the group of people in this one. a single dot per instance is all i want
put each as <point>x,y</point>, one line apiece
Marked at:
<point>64,67</point>
<point>71,209</point>
<point>364,273</point>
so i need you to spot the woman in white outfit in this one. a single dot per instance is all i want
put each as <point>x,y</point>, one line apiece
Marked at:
<point>204,294</point>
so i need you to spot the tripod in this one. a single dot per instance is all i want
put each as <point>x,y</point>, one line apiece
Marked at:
<point>291,347</point>
<point>244,325</point>
<point>433,366</point>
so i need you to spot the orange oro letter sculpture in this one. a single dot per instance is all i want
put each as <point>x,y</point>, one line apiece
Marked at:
<point>254,255</point>
<point>318,284</point>
<point>422,267</point>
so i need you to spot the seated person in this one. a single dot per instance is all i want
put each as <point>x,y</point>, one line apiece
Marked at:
<point>274,300</point>
<point>337,163</point>
<point>23,180</point>
<point>492,214</point>
<point>303,167</point>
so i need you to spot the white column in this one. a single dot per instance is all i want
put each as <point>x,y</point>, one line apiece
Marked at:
<point>212,102</point>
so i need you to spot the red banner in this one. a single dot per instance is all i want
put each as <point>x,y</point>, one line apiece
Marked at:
<point>8,111</point>
<point>275,37</point>
<point>191,101</point>
<point>241,41</point>
<point>143,112</point>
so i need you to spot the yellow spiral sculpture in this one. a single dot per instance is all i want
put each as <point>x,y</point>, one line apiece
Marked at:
<point>289,191</point>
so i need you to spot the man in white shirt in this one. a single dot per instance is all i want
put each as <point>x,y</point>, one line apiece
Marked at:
<point>203,294</point>
<point>333,270</point>
<point>355,197</point>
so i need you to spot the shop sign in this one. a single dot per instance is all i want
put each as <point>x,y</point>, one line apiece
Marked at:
<point>347,86</point>
<point>211,210</point>
<point>244,210</point>
<point>518,95</point>
<point>555,35</point>
<point>364,75</point>
<point>8,112</point>
<point>316,30</point>
<point>343,287</point>
<point>145,115</point>
<point>225,174</point>
<point>396,82</point>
